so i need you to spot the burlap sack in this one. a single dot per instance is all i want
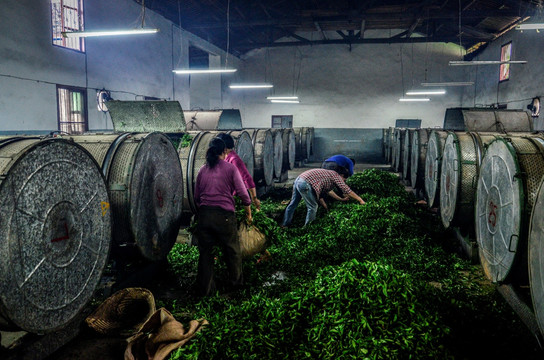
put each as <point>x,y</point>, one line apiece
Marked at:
<point>252,241</point>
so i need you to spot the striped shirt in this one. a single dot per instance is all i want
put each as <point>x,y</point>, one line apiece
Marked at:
<point>323,181</point>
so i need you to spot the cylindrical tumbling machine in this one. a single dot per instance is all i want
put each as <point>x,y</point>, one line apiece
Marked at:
<point>278,151</point>
<point>406,154</point>
<point>144,180</point>
<point>304,141</point>
<point>433,163</point>
<point>461,163</point>
<point>398,147</point>
<point>289,149</point>
<point>510,176</point>
<point>263,147</point>
<point>417,158</point>
<point>55,232</point>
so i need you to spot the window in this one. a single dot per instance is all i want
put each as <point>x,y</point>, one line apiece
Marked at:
<point>282,121</point>
<point>72,109</point>
<point>506,55</point>
<point>408,123</point>
<point>67,15</point>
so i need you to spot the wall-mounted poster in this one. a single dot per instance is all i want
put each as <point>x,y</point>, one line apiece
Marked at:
<point>506,55</point>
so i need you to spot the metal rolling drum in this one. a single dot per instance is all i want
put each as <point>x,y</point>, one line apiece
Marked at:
<point>55,232</point>
<point>263,145</point>
<point>390,142</point>
<point>398,149</point>
<point>536,257</point>
<point>244,148</point>
<point>510,175</point>
<point>304,141</point>
<point>417,159</point>
<point>459,176</point>
<point>433,162</point>
<point>406,152</point>
<point>192,158</point>
<point>278,151</point>
<point>144,180</point>
<point>289,149</point>
<point>487,120</point>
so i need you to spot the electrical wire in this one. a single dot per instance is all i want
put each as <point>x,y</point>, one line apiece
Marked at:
<point>228,34</point>
<point>86,88</point>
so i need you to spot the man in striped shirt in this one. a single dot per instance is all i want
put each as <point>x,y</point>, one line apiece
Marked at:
<point>309,186</point>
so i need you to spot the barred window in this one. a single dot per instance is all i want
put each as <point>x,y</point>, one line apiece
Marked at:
<point>72,109</point>
<point>67,15</point>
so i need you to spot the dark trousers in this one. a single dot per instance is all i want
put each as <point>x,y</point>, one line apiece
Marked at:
<point>217,226</point>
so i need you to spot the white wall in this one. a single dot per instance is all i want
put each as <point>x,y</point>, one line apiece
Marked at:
<point>349,89</point>
<point>526,81</point>
<point>129,67</point>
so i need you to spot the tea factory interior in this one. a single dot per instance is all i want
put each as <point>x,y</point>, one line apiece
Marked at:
<point>108,109</point>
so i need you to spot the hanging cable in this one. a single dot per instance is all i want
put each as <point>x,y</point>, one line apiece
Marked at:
<point>460,36</point>
<point>228,34</point>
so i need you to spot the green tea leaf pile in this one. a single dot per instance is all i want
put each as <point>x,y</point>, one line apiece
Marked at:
<point>374,281</point>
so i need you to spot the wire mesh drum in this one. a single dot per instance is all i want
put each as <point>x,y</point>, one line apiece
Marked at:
<point>192,158</point>
<point>311,139</point>
<point>536,257</point>
<point>510,175</point>
<point>244,148</point>
<point>459,177</point>
<point>289,149</point>
<point>398,147</point>
<point>278,151</point>
<point>390,141</point>
<point>144,179</point>
<point>433,163</point>
<point>263,146</point>
<point>417,159</point>
<point>55,232</point>
<point>406,152</point>
<point>303,143</point>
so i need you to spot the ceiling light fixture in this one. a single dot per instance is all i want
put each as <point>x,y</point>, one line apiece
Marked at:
<point>202,71</point>
<point>485,62</point>
<point>251,86</point>
<point>77,34</point>
<point>536,26</point>
<point>414,99</point>
<point>426,92</point>
<point>449,83</point>
<point>282,97</point>
<point>285,101</point>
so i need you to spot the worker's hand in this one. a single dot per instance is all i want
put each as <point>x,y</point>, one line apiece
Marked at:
<point>362,202</point>
<point>257,204</point>
<point>345,198</point>
<point>249,219</point>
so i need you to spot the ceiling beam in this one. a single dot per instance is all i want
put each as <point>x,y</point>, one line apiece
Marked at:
<point>391,40</point>
<point>404,16</point>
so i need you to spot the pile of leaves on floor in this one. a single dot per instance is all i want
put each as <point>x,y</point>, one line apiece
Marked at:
<point>373,281</point>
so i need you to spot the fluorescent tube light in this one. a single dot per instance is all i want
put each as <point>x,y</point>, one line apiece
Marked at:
<point>202,71</point>
<point>285,101</point>
<point>537,26</point>
<point>282,97</point>
<point>485,62</point>
<point>426,92</point>
<point>450,83</point>
<point>414,99</point>
<point>251,86</point>
<point>76,34</point>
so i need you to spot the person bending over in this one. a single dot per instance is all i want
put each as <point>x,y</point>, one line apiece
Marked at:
<point>309,186</point>
<point>216,183</point>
